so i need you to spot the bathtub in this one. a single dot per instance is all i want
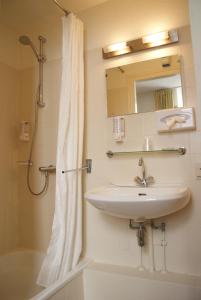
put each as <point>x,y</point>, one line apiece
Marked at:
<point>18,273</point>
<point>97,281</point>
<point>92,281</point>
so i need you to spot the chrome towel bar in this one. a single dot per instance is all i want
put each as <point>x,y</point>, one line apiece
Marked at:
<point>87,167</point>
<point>180,151</point>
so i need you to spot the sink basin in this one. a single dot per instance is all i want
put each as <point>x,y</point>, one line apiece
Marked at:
<point>139,203</point>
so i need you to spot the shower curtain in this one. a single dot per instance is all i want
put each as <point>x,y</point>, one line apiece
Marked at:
<point>163,99</point>
<point>66,240</point>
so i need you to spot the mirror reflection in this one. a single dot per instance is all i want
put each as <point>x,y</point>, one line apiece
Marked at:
<point>159,93</point>
<point>144,86</point>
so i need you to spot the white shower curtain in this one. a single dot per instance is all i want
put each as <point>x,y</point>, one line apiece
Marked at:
<point>66,240</point>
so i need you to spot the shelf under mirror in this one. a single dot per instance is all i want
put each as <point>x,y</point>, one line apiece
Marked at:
<point>180,151</point>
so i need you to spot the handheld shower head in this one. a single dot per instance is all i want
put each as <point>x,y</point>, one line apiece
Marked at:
<point>24,40</point>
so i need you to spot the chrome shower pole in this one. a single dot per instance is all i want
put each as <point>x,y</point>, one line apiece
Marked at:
<point>41,61</point>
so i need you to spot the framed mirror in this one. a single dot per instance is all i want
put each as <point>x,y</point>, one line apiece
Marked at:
<point>144,86</point>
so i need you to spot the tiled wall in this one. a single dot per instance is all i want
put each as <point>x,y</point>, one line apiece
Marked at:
<point>26,220</point>
<point>36,213</point>
<point>9,96</point>
<point>109,239</point>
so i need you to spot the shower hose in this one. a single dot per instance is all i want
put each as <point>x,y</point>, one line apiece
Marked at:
<point>35,127</point>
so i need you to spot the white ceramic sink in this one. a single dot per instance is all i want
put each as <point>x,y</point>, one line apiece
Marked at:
<point>139,203</point>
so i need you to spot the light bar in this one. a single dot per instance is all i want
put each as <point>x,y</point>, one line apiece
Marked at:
<point>115,47</point>
<point>147,42</point>
<point>155,38</point>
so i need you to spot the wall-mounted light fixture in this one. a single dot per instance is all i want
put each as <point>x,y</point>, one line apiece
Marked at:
<point>147,42</point>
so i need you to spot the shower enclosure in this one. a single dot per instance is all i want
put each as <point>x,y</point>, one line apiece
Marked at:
<point>39,103</point>
<point>30,74</point>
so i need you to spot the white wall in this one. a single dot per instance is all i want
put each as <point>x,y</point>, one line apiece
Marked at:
<point>109,239</point>
<point>146,101</point>
<point>195,11</point>
<point>114,282</point>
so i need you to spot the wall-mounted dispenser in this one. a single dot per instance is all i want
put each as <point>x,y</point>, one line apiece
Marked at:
<point>24,131</point>
<point>119,128</point>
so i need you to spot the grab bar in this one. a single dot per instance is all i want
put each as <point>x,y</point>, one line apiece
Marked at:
<point>52,169</point>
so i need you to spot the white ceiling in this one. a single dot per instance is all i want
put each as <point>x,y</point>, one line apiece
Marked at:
<point>144,86</point>
<point>16,13</point>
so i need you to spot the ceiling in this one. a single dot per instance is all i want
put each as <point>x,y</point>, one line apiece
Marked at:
<point>144,86</point>
<point>18,13</point>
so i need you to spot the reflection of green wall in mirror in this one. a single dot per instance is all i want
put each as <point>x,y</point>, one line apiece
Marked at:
<point>121,82</point>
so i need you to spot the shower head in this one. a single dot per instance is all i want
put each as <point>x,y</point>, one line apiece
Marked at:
<point>26,41</point>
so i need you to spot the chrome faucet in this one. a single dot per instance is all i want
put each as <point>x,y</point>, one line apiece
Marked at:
<point>144,181</point>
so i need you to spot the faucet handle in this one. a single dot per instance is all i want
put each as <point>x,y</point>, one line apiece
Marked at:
<point>138,180</point>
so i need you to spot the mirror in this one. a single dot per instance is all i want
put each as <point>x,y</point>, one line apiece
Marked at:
<point>144,86</point>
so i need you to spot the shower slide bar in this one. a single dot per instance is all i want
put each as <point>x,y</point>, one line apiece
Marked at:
<point>52,169</point>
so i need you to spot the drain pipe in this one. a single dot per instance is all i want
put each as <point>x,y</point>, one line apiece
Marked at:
<point>140,227</point>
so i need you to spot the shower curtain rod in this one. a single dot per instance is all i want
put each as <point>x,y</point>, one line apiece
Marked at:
<point>61,7</point>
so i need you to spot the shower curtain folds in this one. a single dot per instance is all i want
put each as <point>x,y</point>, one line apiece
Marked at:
<point>66,241</point>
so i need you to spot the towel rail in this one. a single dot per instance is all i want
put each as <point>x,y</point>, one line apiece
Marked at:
<point>87,167</point>
<point>180,151</point>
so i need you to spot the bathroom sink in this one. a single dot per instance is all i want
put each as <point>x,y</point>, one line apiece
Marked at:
<point>139,203</point>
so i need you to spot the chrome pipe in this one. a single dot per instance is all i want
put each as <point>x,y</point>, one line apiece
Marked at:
<point>41,61</point>
<point>35,51</point>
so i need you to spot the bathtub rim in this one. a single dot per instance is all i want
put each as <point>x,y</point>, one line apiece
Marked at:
<point>58,285</point>
<point>89,264</point>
